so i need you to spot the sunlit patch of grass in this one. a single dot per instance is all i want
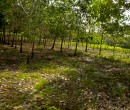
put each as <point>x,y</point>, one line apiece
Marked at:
<point>22,75</point>
<point>126,60</point>
<point>35,75</point>
<point>40,84</point>
<point>32,66</point>
<point>104,46</point>
<point>54,68</point>
<point>6,75</point>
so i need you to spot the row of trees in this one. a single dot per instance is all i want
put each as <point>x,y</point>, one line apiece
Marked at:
<point>97,21</point>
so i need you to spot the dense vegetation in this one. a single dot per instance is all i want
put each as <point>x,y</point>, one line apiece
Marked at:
<point>64,55</point>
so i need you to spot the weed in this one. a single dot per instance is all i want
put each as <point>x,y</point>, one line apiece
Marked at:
<point>52,108</point>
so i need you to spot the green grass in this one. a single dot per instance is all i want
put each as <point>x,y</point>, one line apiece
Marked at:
<point>59,81</point>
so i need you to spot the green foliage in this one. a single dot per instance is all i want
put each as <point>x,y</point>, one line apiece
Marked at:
<point>52,108</point>
<point>30,67</point>
<point>118,91</point>
<point>41,84</point>
<point>53,80</point>
<point>58,78</point>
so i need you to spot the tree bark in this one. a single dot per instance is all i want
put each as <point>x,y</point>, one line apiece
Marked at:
<point>53,43</point>
<point>21,45</point>
<point>15,41</point>
<point>12,41</point>
<point>45,40</point>
<point>100,49</point>
<point>32,55</point>
<point>39,40</point>
<point>76,46</point>
<point>61,46</point>
<point>9,37</point>
<point>4,40</point>
<point>28,60</point>
<point>114,47</point>
<point>86,47</point>
<point>0,37</point>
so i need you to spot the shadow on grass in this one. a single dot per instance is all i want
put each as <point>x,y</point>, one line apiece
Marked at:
<point>13,98</point>
<point>11,59</point>
<point>79,91</point>
<point>76,85</point>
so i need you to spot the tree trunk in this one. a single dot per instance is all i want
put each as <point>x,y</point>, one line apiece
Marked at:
<point>32,55</point>
<point>39,40</point>
<point>0,36</point>
<point>75,52</point>
<point>28,60</point>
<point>53,43</point>
<point>24,40</point>
<point>100,49</point>
<point>114,47</point>
<point>86,47</point>
<point>45,42</point>
<point>69,43</point>
<point>4,40</point>
<point>15,41</point>
<point>12,41</point>
<point>61,47</point>
<point>21,45</point>
<point>9,37</point>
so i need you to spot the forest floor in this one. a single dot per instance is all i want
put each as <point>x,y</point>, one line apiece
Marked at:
<point>60,81</point>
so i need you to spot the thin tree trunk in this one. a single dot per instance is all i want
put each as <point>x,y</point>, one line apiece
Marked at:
<point>53,43</point>
<point>28,60</point>
<point>32,55</point>
<point>0,36</point>
<point>86,47</point>
<point>100,49</point>
<point>24,39</point>
<point>4,40</point>
<point>69,44</point>
<point>21,45</point>
<point>75,52</point>
<point>39,40</point>
<point>13,41</point>
<point>114,49</point>
<point>45,40</point>
<point>9,37</point>
<point>61,47</point>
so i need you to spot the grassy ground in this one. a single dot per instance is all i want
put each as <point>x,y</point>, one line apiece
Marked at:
<point>55,80</point>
